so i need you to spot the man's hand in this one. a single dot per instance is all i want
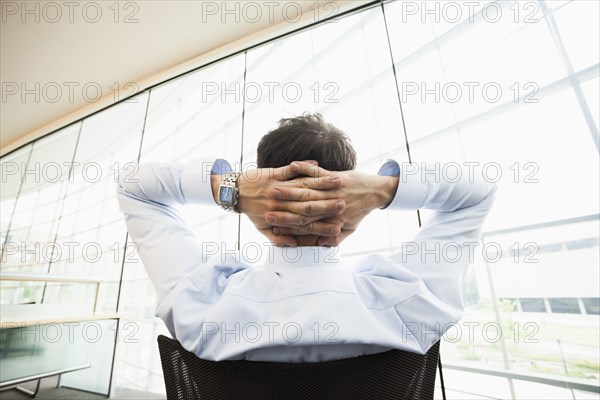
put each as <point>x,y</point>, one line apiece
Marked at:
<point>261,200</point>
<point>361,192</point>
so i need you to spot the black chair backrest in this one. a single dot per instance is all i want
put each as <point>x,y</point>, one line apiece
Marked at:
<point>394,374</point>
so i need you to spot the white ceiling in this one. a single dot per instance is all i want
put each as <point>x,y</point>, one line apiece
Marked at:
<point>57,56</point>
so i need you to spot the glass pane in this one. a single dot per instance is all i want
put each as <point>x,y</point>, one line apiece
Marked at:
<point>43,348</point>
<point>566,305</point>
<point>506,148</point>
<point>37,212</point>
<point>463,72</point>
<point>91,233</point>
<point>548,269</point>
<point>592,305</point>
<point>533,305</point>
<point>579,30</point>
<point>198,116</point>
<point>12,166</point>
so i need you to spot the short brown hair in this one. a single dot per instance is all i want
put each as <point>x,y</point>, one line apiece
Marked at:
<point>306,137</point>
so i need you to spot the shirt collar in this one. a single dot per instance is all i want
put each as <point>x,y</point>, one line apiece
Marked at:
<point>302,256</point>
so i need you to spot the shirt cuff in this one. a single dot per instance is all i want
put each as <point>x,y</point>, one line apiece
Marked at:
<point>195,179</point>
<point>412,190</point>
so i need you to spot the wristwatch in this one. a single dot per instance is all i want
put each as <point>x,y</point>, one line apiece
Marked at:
<point>228,192</point>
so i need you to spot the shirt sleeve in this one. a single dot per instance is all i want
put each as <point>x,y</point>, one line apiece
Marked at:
<point>446,243</point>
<point>146,196</point>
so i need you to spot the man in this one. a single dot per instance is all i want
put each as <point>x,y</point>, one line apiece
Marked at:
<point>304,303</point>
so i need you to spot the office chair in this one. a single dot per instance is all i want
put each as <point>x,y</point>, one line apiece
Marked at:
<point>393,374</point>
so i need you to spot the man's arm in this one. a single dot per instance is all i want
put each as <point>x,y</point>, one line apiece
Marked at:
<point>462,205</point>
<point>167,247</point>
<point>444,246</point>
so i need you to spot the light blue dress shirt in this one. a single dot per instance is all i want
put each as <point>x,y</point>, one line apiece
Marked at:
<point>305,304</point>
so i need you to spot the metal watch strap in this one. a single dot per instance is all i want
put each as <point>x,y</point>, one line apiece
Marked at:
<point>230,179</point>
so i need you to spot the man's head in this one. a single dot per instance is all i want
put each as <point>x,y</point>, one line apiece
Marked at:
<point>306,137</point>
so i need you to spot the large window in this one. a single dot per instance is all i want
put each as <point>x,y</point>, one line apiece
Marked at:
<point>511,88</point>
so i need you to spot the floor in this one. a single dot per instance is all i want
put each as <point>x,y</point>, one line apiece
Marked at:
<point>49,391</point>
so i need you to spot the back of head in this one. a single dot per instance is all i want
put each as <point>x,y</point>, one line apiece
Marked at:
<point>306,137</point>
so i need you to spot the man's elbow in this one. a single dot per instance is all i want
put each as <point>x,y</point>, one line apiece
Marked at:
<point>127,178</point>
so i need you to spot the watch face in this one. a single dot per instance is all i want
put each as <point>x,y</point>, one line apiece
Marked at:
<point>226,194</point>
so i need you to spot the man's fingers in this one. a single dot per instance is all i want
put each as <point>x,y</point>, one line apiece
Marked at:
<point>322,183</point>
<point>322,229</point>
<point>302,194</point>
<point>333,241</point>
<point>309,167</point>
<point>313,162</point>
<point>306,168</point>
<point>301,225</point>
<point>287,172</point>
<point>279,239</point>
<point>285,218</point>
<point>317,208</point>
